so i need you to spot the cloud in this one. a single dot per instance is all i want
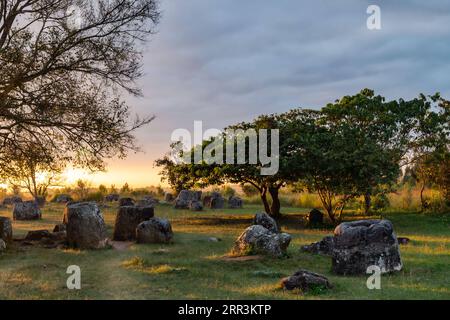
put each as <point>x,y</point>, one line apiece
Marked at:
<point>229,61</point>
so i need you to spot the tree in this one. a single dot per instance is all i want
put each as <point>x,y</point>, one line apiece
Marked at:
<point>422,172</point>
<point>368,144</point>
<point>113,189</point>
<point>125,188</point>
<point>430,145</point>
<point>328,170</point>
<point>15,189</point>
<point>60,81</point>
<point>430,131</point>
<point>362,141</point>
<point>102,189</point>
<point>433,169</point>
<point>82,189</point>
<point>291,126</point>
<point>179,176</point>
<point>353,147</point>
<point>442,177</point>
<point>35,169</point>
<point>358,147</point>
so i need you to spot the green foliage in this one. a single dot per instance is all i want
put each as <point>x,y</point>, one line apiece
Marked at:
<point>437,204</point>
<point>290,165</point>
<point>350,148</point>
<point>94,196</point>
<point>408,199</point>
<point>249,190</point>
<point>434,169</point>
<point>361,142</point>
<point>380,202</point>
<point>178,176</point>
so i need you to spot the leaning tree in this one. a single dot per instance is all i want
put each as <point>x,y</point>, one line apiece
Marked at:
<point>236,166</point>
<point>178,175</point>
<point>63,66</point>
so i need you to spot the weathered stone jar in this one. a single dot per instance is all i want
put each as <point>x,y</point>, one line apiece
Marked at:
<point>360,244</point>
<point>86,228</point>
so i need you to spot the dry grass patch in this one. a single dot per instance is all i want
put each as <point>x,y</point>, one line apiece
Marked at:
<point>141,265</point>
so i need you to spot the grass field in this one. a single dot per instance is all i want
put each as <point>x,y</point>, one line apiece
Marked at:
<point>194,268</point>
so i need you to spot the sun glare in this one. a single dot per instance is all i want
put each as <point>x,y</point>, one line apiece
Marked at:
<point>72,175</point>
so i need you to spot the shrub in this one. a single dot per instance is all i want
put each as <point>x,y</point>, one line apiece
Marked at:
<point>160,191</point>
<point>408,198</point>
<point>353,203</point>
<point>102,188</point>
<point>437,203</point>
<point>113,189</point>
<point>59,192</point>
<point>82,189</point>
<point>256,199</point>
<point>228,191</point>
<point>125,188</point>
<point>308,200</point>
<point>94,196</point>
<point>380,202</point>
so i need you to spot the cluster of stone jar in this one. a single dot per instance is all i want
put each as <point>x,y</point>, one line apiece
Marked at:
<point>84,227</point>
<point>354,247</point>
<point>22,210</point>
<point>192,200</point>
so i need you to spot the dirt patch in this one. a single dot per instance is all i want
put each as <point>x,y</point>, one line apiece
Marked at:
<point>121,245</point>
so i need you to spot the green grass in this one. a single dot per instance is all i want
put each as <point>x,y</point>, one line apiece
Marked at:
<point>194,268</point>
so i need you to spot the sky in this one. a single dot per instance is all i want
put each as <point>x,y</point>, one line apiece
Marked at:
<point>223,62</point>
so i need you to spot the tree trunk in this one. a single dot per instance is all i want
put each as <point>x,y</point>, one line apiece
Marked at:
<point>422,200</point>
<point>331,215</point>
<point>276,205</point>
<point>264,200</point>
<point>327,203</point>
<point>367,203</point>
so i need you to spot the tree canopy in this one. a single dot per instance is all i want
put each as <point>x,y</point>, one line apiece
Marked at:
<point>353,147</point>
<point>60,82</point>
